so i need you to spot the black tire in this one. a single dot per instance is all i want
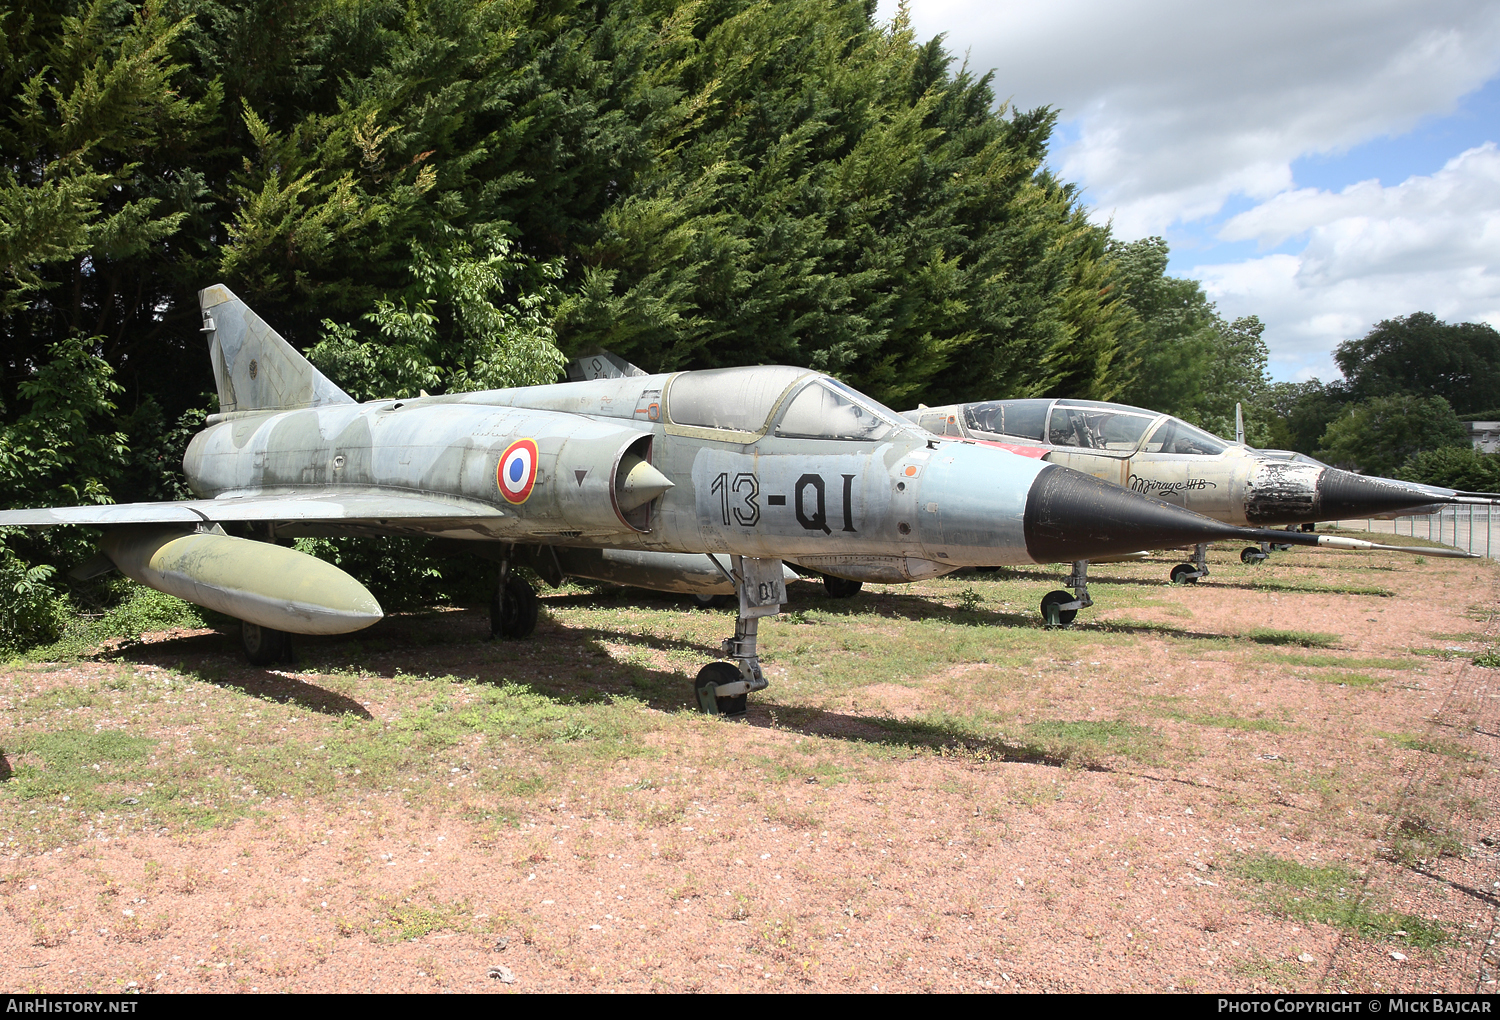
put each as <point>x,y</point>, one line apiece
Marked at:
<point>513,616</point>
<point>713,601</point>
<point>717,673</point>
<point>840,587</point>
<point>1252,556</point>
<point>1057,598</point>
<point>263,645</point>
<point>1182,574</point>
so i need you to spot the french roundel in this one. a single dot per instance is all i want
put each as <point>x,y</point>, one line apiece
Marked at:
<point>517,471</point>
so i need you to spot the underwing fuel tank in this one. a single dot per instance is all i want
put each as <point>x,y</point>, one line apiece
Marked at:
<point>264,584</point>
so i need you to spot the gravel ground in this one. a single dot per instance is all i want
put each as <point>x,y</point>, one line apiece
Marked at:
<point>1278,779</point>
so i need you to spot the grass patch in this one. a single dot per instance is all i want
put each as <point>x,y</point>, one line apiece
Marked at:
<point>1447,748</point>
<point>1364,680</point>
<point>1331,661</point>
<point>1092,741</point>
<point>1488,660</point>
<point>1331,895</point>
<point>1235,722</point>
<point>1300,638</point>
<point>74,764</point>
<point>1315,588</point>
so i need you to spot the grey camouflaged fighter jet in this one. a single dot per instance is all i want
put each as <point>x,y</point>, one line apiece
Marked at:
<point>1165,457</point>
<point>666,479</point>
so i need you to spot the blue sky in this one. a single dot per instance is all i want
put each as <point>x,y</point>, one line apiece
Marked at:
<point>1323,164</point>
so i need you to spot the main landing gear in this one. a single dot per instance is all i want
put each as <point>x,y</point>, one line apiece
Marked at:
<point>841,588</point>
<point>264,646</point>
<point>1254,556</point>
<point>1188,573</point>
<point>513,606</point>
<point>722,687</point>
<point>1060,607</point>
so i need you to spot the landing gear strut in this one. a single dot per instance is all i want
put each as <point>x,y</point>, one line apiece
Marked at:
<point>1188,573</point>
<point>513,606</point>
<point>264,646</point>
<point>1059,608</point>
<point>721,687</point>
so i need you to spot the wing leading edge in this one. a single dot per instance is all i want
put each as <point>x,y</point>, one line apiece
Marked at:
<point>310,507</point>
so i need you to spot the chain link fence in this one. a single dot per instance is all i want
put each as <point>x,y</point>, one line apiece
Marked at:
<point>1470,528</point>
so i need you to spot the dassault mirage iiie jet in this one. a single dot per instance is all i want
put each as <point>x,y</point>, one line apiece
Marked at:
<point>1165,457</point>
<point>661,477</point>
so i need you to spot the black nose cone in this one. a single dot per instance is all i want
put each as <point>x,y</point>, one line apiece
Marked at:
<point>1344,494</point>
<point>1074,516</point>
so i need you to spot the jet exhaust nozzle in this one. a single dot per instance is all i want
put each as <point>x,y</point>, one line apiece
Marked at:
<point>258,582</point>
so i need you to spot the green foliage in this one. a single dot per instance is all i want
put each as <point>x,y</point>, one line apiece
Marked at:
<point>1183,358</point>
<point>1379,435</point>
<point>1296,414</point>
<point>476,345</point>
<point>31,612</point>
<point>1420,354</point>
<point>400,574</point>
<point>1454,467</point>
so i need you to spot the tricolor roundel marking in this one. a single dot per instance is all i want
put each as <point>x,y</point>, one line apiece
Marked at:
<point>517,471</point>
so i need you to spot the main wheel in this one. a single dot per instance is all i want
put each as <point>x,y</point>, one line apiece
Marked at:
<point>840,587</point>
<point>264,645</point>
<point>1183,574</point>
<point>513,612</point>
<point>712,601</point>
<point>716,674</point>
<point>1252,556</point>
<point>1054,616</point>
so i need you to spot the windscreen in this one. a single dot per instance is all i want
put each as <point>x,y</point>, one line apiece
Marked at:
<point>736,399</point>
<point>1024,419</point>
<point>828,409</point>
<point>1177,436</point>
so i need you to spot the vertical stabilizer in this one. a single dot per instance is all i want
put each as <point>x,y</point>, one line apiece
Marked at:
<point>255,369</point>
<point>1239,424</point>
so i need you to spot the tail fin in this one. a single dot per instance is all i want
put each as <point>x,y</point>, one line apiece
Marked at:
<point>255,369</point>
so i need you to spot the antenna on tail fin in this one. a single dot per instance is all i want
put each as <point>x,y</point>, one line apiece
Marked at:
<point>1239,424</point>
<point>254,368</point>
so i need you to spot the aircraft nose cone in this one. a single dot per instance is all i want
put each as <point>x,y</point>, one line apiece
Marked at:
<point>1074,516</point>
<point>1344,494</point>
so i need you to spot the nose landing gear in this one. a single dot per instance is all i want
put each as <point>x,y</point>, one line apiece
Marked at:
<point>1060,608</point>
<point>721,687</point>
<point>1188,573</point>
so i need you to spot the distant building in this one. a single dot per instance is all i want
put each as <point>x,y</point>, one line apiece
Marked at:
<point>1485,435</point>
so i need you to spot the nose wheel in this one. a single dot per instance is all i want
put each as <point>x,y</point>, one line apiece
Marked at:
<point>1060,608</point>
<point>1188,573</point>
<point>722,687</point>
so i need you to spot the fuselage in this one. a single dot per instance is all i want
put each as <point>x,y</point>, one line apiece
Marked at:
<point>1158,455</point>
<point>771,462</point>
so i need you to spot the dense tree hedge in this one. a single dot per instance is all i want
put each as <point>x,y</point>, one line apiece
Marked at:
<point>454,194</point>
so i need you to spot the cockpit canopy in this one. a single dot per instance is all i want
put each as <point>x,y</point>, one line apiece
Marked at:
<point>1089,425</point>
<point>742,400</point>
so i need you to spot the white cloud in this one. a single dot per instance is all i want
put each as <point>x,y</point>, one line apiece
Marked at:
<point>1181,104</point>
<point>1431,243</point>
